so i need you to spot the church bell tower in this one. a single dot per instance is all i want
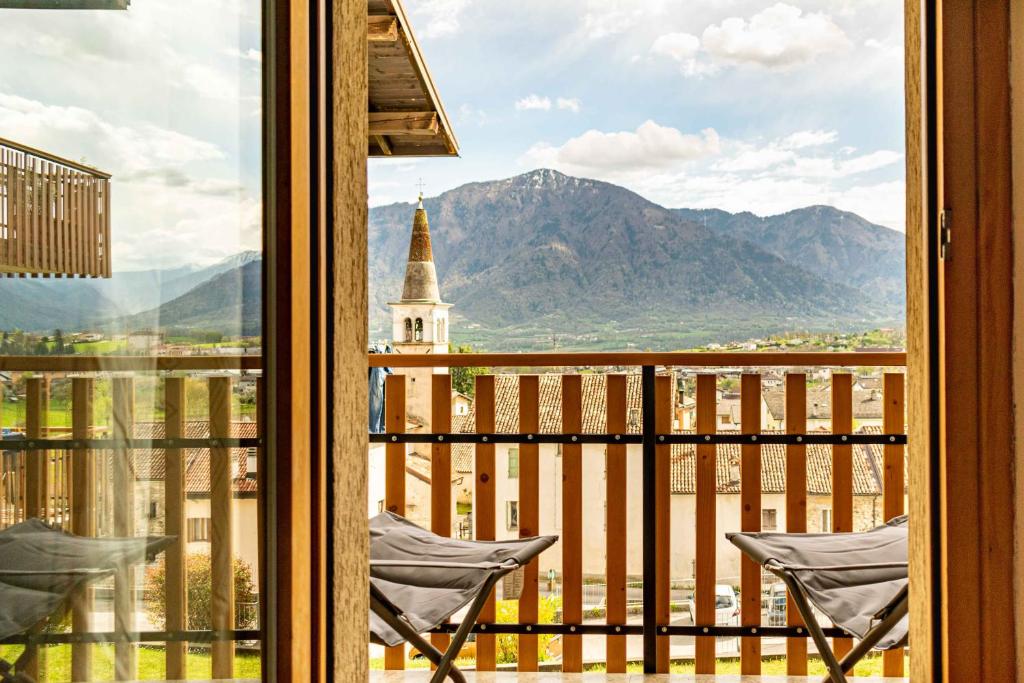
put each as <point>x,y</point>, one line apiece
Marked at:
<point>420,317</point>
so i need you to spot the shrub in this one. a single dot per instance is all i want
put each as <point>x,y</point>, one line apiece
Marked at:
<point>200,595</point>
<point>508,613</point>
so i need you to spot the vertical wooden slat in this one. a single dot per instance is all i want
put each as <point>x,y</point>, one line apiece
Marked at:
<point>222,603</point>
<point>394,476</point>
<point>37,215</point>
<point>572,522</point>
<point>176,598</point>
<point>842,470</point>
<point>33,215</point>
<point>663,516</point>
<point>529,513</point>
<point>441,470</point>
<point>34,490</point>
<point>750,520</point>
<point>894,482</point>
<point>123,409</point>
<point>484,509</point>
<point>94,219</point>
<point>59,209</point>
<point>51,218</point>
<point>796,505</point>
<point>35,461</point>
<point>615,517</point>
<point>19,212</point>
<point>83,516</point>
<point>706,533</point>
<point>107,257</point>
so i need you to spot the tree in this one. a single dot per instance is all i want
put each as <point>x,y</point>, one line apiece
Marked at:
<point>463,378</point>
<point>199,582</point>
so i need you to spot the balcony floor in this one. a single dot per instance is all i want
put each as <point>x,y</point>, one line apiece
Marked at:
<point>554,677</point>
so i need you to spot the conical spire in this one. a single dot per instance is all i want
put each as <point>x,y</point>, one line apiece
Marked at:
<point>420,274</point>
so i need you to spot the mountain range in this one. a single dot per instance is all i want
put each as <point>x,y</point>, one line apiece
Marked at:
<point>546,259</point>
<point>139,299</point>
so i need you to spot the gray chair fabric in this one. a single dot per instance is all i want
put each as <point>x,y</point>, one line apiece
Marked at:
<point>427,577</point>
<point>40,567</point>
<point>850,577</point>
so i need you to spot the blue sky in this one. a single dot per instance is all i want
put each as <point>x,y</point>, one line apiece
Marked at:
<point>734,104</point>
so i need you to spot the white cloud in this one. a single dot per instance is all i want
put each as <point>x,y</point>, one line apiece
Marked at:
<point>166,202</point>
<point>649,146</point>
<point>677,46</point>
<point>544,103</point>
<point>438,18</point>
<point>533,102</point>
<point>250,55</point>
<point>125,148</point>
<point>779,36</point>
<point>572,104</point>
<point>809,138</point>
<point>705,171</point>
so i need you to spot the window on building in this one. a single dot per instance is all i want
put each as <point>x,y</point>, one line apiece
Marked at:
<point>769,520</point>
<point>513,463</point>
<point>418,331</point>
<point>826,520</point>
<point>512,515</point>
<point>408,329</point>
<point>198,529</point>
<point>152,509</point>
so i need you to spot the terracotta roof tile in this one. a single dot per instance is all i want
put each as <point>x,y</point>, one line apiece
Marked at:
<point>149,464</point>
<point>867,468</point>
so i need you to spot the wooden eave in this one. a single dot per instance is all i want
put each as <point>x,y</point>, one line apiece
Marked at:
<point>406,116</point>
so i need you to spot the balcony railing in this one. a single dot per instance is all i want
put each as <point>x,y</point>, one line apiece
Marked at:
<point>54,215</point>
<point>632,417</point>
<point>129,446</point>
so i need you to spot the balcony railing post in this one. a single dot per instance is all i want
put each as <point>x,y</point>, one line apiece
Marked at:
<point>650,489</point>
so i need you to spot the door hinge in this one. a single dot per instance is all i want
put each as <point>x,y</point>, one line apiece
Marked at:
<point>945,233</point>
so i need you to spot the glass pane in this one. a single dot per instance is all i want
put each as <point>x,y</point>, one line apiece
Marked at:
<point>130,316</point>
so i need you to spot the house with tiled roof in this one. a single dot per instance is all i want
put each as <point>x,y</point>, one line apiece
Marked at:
<point>868,406</point>
<point>149,470</point>
<point>867,480</point>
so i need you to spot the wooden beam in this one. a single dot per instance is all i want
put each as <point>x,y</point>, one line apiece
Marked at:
<point>403,123</point>
<point>382,28</point>
<point>383,144</point>
<point>350,561</point>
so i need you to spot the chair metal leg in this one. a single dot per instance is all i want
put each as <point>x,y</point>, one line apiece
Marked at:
<point>382,609</point>
<point>465,628</point>
<point>836,673</point>
<point>877,632</point>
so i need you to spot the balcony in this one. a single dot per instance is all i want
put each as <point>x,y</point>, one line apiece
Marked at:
<point>640,464</point>
<point>142,446</point>
<point>54,215</point>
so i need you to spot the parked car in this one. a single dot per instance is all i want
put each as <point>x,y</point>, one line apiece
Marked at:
<point>776,605</point>
<point>727,606</point>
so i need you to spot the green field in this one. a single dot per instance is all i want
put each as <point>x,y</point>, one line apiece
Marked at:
<point>55,663</point>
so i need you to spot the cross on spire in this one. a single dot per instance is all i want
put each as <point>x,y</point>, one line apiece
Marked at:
<point>420,185</point>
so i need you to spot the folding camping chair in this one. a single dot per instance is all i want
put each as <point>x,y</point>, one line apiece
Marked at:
<point>858,580</point>
<point>418,579</point>
<point>42,567</point>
